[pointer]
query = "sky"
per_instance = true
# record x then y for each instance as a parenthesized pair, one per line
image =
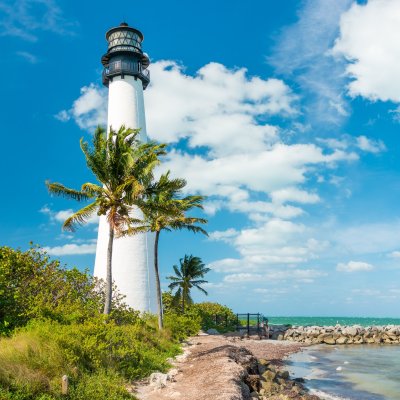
(286, 115)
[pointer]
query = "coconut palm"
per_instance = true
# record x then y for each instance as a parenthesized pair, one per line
(187, 275)
(123, 168)
(165, 209)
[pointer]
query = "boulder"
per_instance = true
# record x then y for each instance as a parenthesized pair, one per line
(351, 331)
(329, 339)
(158, 380)
(284, 374)
(269, 375)
(253, 382)
(342, 340)
(212, 331)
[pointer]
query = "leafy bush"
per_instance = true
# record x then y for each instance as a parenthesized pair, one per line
(205, 315)
(182, 326)
(215, 316)
(32, 286)
(102, 385)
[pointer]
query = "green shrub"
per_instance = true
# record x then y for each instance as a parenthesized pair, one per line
(215, 316)
(32, 286)
(182, 326)
(102, 385)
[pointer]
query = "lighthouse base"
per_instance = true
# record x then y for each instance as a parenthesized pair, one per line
(132, 267)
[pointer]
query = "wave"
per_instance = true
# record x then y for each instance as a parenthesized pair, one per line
(327, 396)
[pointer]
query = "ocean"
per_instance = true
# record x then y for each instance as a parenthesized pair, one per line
(331, 321)
(348, 372)
(351, 372)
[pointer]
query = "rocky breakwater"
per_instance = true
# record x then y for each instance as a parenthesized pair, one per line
(263, 380)
(339, 334)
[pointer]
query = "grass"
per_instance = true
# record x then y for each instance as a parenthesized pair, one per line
(99, 358)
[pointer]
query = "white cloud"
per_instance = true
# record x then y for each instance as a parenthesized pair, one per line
(223, 109)
(394, 254)
(89, 110)
(294, 194)
(354, 266)
(62, 215)
(368, 238)
(26, 18)
(299, 275)
(303, 52)
(369, 37)
(278, 169)
(31, 58)
(370, 145)
(71, 249)
(274, 242)
(63, 116)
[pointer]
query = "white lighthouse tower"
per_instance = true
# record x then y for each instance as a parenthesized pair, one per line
(126, 75)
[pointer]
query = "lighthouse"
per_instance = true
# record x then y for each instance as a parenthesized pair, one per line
(126, 76)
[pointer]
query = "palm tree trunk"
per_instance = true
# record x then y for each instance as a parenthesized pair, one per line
(107, 303)
(158, 286)
(183, 301)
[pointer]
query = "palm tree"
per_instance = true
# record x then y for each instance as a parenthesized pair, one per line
(165, 209)
(186, 277)
(123, 167)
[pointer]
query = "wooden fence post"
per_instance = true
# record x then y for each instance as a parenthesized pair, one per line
(64, 384)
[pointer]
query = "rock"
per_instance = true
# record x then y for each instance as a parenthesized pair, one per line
(269, 375)
(329, 340)
(342, 340)
(213, 331)
(351, 331)
(253, 382)
(269, 387)
(284, 374)
(158, 380)
(172, 373)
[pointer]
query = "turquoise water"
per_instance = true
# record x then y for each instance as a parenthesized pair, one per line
(328, 321)
(353, 372)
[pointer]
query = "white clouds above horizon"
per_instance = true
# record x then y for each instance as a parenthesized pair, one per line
(303, 53)
(237, 157)
(25, 19)
(61, 215)
(369, 37)
(89, 109)
(275, 242)
(71, 249)
(354, 266)
(223, 111)
(27, 56)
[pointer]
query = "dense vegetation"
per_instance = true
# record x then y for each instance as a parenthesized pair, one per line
(52, 324)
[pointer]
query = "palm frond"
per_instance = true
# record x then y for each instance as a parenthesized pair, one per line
(60, 190)
(80, 217)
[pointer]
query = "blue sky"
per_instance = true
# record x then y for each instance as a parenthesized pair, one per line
(285, 114)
